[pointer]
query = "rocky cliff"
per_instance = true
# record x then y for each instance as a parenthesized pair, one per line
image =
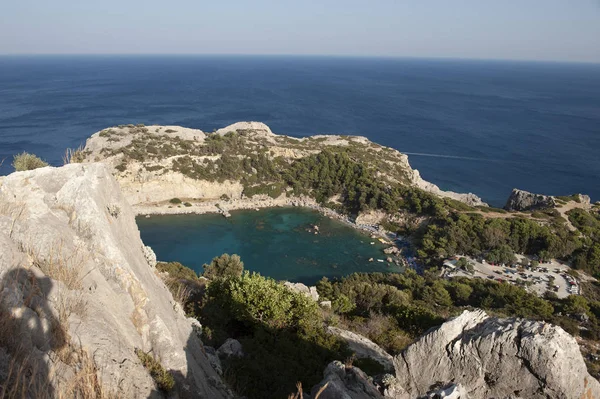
(79, 293)
(520, 200)
(477, 356)
(154, 164)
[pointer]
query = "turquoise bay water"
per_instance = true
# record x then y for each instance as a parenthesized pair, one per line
(278, 243)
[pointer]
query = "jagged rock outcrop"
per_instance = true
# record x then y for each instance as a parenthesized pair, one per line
(520, 200)
(364, 347)
(345, 383)
(310, 292)
(76, 282)
(231, 347)
(257, 127)
(499, 358)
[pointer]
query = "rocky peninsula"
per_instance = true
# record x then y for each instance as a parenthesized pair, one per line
(148, 162)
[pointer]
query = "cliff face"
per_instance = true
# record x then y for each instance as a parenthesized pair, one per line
(76, 282)
(142, 159)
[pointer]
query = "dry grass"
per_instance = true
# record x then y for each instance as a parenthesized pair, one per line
(60, 265)
(299, 393)
(181, 292)
(15, 211)
(28, 378)
(73, 155)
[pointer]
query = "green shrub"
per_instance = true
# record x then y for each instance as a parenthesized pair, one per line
(26, 161)
(224, 266)
(177, 270)
(175, 201)
(280, 330)
(163, 379)
(187, 204)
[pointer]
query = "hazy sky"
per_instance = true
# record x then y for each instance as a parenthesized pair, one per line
(510, 29)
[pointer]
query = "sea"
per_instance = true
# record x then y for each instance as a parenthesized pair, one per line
(469, 126)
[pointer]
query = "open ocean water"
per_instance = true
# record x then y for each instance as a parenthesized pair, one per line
(468, 126)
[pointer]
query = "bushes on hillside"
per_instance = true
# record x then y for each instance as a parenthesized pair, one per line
(281, 331)
(495, 239)
(224, 266)
(26, 161)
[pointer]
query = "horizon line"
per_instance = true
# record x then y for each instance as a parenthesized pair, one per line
(365, 56)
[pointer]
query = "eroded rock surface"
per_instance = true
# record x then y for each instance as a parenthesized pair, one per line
(74, 273)
(520, 200)
(309, 292)
(364, 347)
(496, 358)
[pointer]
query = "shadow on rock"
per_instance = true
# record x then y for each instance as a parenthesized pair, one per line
(30, 334)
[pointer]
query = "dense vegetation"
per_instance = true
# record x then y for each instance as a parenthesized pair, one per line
(587, 256)
(496, 239)
(283, 333)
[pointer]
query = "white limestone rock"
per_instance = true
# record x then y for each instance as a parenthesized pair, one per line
(231, 347)
(258, 127)
(345, 383)
(364, 347)
(62, 216)
(500, 358)
(310, 292)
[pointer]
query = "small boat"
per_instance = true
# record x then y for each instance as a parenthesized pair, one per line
(380, 260)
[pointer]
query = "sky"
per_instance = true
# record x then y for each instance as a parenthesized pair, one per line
(557, 30)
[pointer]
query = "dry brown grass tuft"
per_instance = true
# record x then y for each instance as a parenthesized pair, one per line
(299, 394)
(60, 265)
(27, 378)
(73, 155)
(22, 380)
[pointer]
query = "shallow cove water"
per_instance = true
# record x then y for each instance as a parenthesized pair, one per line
(278, 243)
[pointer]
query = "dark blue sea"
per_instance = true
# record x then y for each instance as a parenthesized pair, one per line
(478, 126)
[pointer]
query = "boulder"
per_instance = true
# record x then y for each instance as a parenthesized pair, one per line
(520, 200)
(256, 127)
(231, 347)
(325, 304)
(364, 347)
(494, 357)
(392, 250)
(310, 292)
(345, 383)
